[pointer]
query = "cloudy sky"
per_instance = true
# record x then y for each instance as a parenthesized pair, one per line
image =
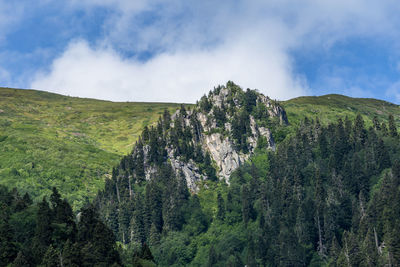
(175, 51)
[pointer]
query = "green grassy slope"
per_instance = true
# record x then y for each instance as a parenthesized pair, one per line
(53, 140)
(329, 108)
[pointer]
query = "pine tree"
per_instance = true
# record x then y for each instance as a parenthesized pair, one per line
(44, 230)
(20, 261)
(97, 241)
(320, 205)
(359, 132)
(369, 250)
(209, 169)
(71, 254)
(221, 207)
(51, 258)
(392, 126)
(146, 253)
(138, 233)
(246, 204)
(394, 242)
(212, 257)
(155, 235)
(375, 122)
(8, 250)
(166, 119)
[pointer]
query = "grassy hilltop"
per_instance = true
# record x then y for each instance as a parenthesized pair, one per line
(53, 140)
(328, 108)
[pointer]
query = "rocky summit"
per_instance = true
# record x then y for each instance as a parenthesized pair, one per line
(207, 141)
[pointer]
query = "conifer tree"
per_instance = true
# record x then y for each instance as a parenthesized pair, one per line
(221, 207)
(138, 233)
(212, 257)
(51, 258)
(392, 126)
(20, 261)
(8, 250)
(375, 122)
(43, 232)
(71, 254)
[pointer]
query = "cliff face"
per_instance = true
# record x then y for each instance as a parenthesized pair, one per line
(210, 140)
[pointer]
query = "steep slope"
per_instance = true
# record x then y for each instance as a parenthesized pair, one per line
(208, 141)
(186, 151)
(53, 140)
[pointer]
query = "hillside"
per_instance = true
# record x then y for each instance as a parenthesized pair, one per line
(237, 179)
(328, 108)
(266, 193)
(51, 140)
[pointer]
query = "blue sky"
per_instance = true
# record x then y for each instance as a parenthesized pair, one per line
(176, 51)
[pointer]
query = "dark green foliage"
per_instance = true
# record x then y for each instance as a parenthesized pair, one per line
(20, 261)
(55, 240)
(97, 241)
(392, 126)
(208, 168)
(221, 207)
(51, 258)
(8, 249)
(43, 232)
(71, 254)
(250, 100)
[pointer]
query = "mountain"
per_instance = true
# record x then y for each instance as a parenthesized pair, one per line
(238, 180)
(207, 141)
(51, 140)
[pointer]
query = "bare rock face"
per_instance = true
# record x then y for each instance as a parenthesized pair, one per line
(224, 154)
(226, 125)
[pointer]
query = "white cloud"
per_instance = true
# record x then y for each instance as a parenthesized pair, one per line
(180, 77)
(196, 45)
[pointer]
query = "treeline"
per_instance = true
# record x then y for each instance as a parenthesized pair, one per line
(49, 234)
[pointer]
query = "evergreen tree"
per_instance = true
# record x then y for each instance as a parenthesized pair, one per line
(71, 254)
(138, 233)
(51, 258)
(43, 232)
(209, 169)
(8, 250)
(155, 235)
(375, 122)
(97, 241)
(392, 126)
(20, 261)
(221, 207)
(369, 250)
(146, 253)
(212, 257)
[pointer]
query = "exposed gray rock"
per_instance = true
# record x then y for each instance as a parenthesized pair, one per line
(223, 153)
(218, 142)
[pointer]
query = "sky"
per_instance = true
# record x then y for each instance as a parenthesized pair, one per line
(176, 51)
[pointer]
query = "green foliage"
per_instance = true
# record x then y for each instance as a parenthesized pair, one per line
(49, 140)
(55, 239)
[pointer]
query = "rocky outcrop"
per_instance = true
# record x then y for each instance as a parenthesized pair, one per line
(223, 153)
(226, 125)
